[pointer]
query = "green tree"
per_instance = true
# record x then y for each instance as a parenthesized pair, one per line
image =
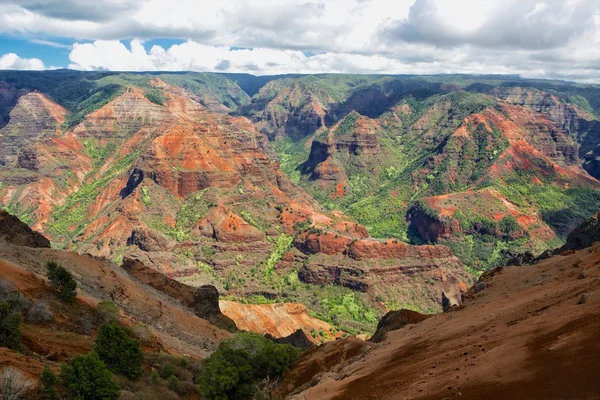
(61, 281)
(48, 383)
(240, 363)
(10, 323)
(120, 353)
(87, 378)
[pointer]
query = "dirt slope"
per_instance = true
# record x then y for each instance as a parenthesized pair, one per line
(278, 320)
(529, 333)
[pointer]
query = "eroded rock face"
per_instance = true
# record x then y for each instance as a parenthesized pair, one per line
(374, 266)
(13, 231)
(204, 301)
(279, 320)
(578, 124)
(226, 226)
(149, 240)
(395, 320)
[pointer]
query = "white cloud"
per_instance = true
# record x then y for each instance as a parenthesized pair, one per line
(536, 38)
(13, 61)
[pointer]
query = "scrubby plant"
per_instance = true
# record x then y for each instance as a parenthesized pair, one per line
(236, 369)
(40, 313)
(13, 384)
(10, 323)
(142, 333)
(87, 378)
(61, 281)
(167, 370)
(107, 310)
(48, 383)
(118, 351)
(173, 384)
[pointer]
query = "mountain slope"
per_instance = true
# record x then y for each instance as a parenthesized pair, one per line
(524, 333)
(525, 156)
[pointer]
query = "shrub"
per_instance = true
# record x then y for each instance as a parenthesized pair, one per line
(142, 333)
(107, 310)
(10, 322)
(173, 384)
(13, 384)
(61, 281)
(235, 370)
(40, 313)
(48, 383)
(167, 370)
(155, 378)
(86, 377)
(119, 352)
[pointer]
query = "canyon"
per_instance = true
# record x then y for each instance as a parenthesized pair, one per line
(314, 210)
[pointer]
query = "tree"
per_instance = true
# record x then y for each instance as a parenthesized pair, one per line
(10, 323)
(87, 378)
(48, 381)
(120, 353)
(61, 281)
(236, 369)
(13, 384)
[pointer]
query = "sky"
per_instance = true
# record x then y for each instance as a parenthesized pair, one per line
(553, 39)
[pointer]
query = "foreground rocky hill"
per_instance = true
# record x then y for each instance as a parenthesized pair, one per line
(528, 332)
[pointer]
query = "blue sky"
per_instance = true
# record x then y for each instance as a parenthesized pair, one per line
(532, 38)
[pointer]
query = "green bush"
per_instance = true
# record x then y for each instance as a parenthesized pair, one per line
(10, 323)
(118, 351)
(236, 368)
(61, 281)
(48, 383)
(173, 384)
(87, 378)
(107, 310)
(167, 370)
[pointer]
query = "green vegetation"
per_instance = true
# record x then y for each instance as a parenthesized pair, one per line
(10, 324)
(282, 244)
(146, 196)
(87, 378)
(118, 351)
(73, 213)
(237, 368)
(156, 96)
(107, 310)
(61, 281)
(48, 383)
(346, 307)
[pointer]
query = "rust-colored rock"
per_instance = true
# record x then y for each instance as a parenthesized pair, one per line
(226, 226)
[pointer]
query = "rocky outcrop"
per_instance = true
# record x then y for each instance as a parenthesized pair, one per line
(584, 235)
(395, 320)
(226, 226)
(331, 243)
(13, 231)
(149, 240)
(297, 339)
(204, 301)
(374, 266)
